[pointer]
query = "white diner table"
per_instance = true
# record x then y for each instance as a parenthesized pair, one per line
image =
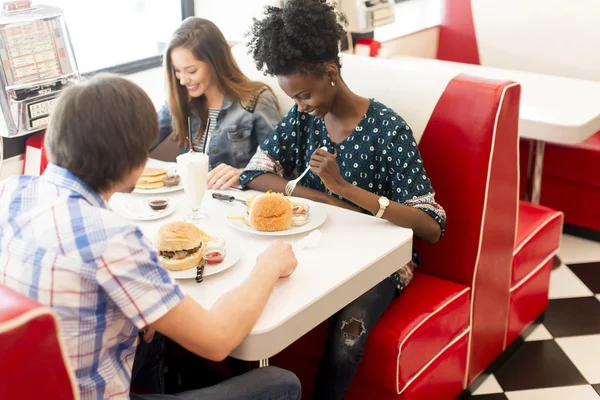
(554, 109)
(356, 251)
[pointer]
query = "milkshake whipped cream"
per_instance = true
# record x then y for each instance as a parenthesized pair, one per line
(193, 168)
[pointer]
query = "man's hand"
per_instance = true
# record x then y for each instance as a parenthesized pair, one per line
(279, 255)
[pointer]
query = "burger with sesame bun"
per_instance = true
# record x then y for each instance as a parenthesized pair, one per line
(270, 212)
(180, 245)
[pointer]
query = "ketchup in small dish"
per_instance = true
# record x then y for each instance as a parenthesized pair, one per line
(213, 257)
(158, 204)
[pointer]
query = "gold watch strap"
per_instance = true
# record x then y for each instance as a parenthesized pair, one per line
(381, 211)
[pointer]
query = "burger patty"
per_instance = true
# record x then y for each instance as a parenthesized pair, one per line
(179, 255)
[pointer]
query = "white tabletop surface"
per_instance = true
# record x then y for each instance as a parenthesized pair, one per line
(355, 252)
(554, 109)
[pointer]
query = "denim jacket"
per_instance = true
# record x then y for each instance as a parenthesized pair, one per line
(240, 128)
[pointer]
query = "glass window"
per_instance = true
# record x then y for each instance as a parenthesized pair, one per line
(106, 33)
(234, 25)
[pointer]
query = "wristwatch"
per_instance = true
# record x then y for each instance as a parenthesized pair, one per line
(383, 205)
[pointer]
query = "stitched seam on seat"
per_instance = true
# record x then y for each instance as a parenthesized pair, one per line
(416, 375)
(534, 271)
(435, 312)
(557, 214)
(483, 214)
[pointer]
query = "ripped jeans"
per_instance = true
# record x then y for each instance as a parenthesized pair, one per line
(347, 337)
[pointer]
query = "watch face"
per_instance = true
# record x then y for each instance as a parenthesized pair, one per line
(384, 202)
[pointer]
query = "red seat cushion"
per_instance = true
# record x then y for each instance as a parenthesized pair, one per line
(33, 361)
(579, 163)
(539, 230)
(418, 326)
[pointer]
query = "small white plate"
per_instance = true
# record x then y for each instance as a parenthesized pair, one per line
(137, 209)
(170, 168)
(160, 190)
(232, 256)
(316, 217)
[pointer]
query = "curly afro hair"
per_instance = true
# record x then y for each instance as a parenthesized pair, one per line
(302, 36)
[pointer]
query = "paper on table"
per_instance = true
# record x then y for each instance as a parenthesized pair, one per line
(310, 240)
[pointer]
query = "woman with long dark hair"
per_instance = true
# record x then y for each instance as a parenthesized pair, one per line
(205, 83)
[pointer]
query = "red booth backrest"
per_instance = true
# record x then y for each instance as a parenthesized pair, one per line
(33, 360)
(470, 150)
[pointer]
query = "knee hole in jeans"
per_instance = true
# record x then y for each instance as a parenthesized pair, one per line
(353, 329)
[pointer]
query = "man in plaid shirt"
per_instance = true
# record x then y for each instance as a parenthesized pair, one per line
(61, 245)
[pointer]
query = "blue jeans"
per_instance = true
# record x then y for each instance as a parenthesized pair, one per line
(269, 383)
(346, 341)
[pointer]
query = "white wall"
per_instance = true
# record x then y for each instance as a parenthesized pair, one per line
(233, 17)
(422, 44)
(559, 37)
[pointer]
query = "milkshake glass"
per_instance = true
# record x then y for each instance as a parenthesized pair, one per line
(193, 168)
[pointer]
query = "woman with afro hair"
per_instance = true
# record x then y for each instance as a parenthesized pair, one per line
(372, 163)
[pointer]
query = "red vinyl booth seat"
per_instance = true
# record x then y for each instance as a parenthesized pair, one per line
(570, 173)
(538, 240)
(33, 360)
(449, 324)
(421, 326)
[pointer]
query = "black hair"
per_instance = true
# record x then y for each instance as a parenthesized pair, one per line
(302, 36)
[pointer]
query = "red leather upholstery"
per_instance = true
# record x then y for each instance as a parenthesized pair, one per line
(528, 301)
(442, 379)
(416, 329)
(571, 173)
(477, 251)
(33, 363)
(457, 40)
(538, 240)
(450, 323)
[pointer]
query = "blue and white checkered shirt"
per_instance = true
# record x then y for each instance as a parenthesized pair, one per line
(62, 246)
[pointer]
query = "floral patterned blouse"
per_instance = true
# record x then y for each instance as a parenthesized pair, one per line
(380, 156)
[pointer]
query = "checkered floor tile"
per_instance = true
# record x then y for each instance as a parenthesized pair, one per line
(560, 358)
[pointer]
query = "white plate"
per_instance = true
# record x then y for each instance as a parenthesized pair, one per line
(232, 256)
(316, 217)
(160, 190)
(167, 166)
(137, 209)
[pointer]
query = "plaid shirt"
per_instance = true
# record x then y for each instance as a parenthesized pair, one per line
(62, 246)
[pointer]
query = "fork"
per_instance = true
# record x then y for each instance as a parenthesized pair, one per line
(291, 185)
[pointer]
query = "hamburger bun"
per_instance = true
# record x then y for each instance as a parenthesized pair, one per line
(180, 245)
(270, 213)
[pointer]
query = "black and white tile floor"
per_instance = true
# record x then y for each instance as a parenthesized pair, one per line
(560, 358)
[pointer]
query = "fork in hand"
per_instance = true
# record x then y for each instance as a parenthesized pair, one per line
(291, 185)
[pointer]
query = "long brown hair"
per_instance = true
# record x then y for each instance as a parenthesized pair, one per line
(207, 44)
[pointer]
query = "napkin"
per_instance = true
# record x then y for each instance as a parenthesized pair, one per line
(310, 240)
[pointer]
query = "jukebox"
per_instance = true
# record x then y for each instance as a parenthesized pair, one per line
(37, 63)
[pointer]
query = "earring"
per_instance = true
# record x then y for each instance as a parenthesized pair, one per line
(332, 83)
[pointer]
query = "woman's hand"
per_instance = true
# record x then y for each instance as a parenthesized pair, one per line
(223, 177)
(324, 165)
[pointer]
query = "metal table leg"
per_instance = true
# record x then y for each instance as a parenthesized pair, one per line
(535, 168)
